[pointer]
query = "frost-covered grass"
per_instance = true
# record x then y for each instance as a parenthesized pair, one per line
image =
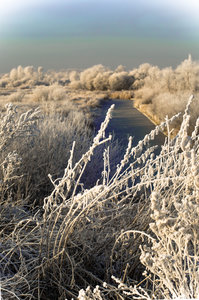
(43, 150)
(133, 234)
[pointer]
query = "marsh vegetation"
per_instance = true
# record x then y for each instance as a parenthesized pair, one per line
(77, 219)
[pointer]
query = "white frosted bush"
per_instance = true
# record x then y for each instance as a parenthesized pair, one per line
(40, 94)
(187, 74)
(56, 93)
(48, 93)
(20, 72)
(87, 76)
(100, 78)
(29, 70)
(40, 70)
(120, 81)
(120, 68)
(101, 81)
(76, 85)
(23, 76)
(74, 76)
(153, 86)
(13, 74)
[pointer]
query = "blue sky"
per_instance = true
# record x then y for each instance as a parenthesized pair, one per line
(80, 33)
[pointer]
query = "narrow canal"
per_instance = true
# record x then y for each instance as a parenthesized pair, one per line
(126, 121)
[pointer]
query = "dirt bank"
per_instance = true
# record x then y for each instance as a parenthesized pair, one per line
(146, 110)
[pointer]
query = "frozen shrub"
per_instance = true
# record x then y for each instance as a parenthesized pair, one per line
(101, 81)
(120, 81)
(22, 76)
(145, 95)
(120, 68)
(56, 93)
(139, 75)
(74, 76)
(100, 78)
(40, 73)
(187, 74)
(40, 94)
(51, 93)
(29, 70)
(40, 70)
(87, 76)
(20, 72)
(76, 85)
(153, 84)
(13, 74)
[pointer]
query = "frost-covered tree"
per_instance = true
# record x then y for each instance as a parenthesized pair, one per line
(13, 74)
(87, 77)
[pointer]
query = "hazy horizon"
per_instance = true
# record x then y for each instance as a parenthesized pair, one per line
(82, 33)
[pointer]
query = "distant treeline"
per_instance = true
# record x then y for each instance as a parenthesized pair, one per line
(162, 91)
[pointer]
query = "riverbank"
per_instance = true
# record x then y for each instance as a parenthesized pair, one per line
(146, 110)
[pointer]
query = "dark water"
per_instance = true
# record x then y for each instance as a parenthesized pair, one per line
(126, 121)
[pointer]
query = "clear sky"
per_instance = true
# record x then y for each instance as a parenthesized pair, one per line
(61, 34)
